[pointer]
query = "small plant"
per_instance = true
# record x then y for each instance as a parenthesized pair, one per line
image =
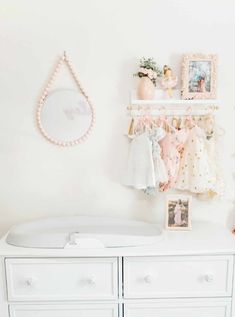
(148, 68)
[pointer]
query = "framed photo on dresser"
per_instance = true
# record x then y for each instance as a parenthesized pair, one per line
(178, 212)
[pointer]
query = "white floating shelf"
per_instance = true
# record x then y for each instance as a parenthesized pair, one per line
(165, 102)
(161, 101)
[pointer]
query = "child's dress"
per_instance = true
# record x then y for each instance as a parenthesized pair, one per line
(172, 146)
(196, 173)
(160, 171)
(211, 145)
(145, 168)
(140, 165)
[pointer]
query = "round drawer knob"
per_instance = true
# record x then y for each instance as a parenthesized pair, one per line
(90, 280)
(30, 281)
(209, 278)
(148, 279)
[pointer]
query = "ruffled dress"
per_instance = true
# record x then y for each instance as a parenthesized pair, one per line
(145, 168)
(160, 170)
(197, 172)
(140, 166)
(172, 146)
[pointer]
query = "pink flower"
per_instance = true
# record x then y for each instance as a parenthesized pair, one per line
(145, 71)
(150, 73)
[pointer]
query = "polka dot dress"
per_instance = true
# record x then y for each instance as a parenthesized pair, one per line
(196, 172)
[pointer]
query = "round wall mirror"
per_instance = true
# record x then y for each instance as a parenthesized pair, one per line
(65, 117)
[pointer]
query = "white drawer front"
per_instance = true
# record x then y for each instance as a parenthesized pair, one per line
(61, 279)
(92, 310)
(185, 308)
(184, 276)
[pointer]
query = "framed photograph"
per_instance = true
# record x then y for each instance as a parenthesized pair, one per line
(199, 76)
(178, 212)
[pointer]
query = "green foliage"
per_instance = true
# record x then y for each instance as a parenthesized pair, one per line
(148, 68)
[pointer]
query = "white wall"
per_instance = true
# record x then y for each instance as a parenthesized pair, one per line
(104, 40)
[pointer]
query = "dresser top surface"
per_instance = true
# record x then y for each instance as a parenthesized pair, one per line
(204, 238)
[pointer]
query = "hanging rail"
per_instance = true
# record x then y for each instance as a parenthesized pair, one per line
(171, 110)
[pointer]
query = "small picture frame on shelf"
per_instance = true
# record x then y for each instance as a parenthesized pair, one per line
(199, 76)
(178, 212)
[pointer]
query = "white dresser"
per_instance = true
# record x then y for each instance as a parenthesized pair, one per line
(185, 274)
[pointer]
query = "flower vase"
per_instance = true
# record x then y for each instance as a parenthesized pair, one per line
(146, 89)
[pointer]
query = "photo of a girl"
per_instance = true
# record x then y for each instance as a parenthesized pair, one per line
(178, 212)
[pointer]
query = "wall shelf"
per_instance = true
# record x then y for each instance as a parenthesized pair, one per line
(176, 100)
(165, 102)
(174, 106)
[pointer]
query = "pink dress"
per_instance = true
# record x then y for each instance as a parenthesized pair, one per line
(172, 146)
(168, 83)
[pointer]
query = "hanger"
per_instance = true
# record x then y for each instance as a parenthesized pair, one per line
(131, 127)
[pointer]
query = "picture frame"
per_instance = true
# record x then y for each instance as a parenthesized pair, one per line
(199, 76)
(178, 212)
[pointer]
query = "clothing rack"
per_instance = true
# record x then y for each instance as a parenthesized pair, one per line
(171, 110)
(171, 106)
(172, 151)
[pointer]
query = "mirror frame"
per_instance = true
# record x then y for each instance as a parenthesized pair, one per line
(41, 104)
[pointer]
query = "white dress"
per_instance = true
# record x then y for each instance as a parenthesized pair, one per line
(140, 166)
(196, 173)
(160, 170)
(214, 157)
(177, 213)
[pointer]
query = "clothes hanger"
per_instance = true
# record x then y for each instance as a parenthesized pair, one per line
(131, 127)
(188, 120)
(167, 125)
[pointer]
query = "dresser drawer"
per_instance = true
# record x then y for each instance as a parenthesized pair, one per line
(183, 276)
(61, 279)
(180, 308)
(84, 310)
